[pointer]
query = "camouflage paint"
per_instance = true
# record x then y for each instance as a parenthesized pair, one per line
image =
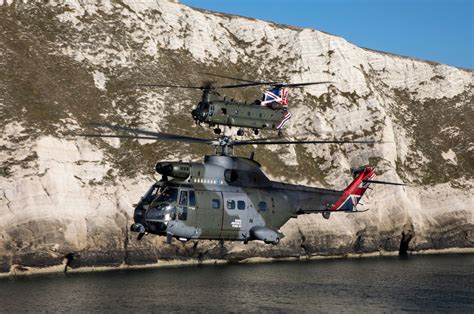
(233, 196)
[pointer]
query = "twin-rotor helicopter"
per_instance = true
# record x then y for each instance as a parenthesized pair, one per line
(271, 112)
(226, 197)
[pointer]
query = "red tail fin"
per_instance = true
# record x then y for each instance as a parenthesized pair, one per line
(353, 193)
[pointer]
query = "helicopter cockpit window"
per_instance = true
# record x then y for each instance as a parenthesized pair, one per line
(241, 205)
(192, 199)
(230, 204)
(183, 198)
(262, 206)
(151, 193)
(183, 209)
(168, 195)
(216, 204)
(203, 106)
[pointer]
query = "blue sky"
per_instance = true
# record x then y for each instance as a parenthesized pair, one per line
(436, 30)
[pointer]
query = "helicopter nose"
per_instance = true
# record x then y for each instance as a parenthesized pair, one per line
(198, 115)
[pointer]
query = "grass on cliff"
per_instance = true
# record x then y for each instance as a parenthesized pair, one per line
(44, 87)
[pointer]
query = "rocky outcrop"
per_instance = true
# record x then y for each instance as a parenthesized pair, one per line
(65, 64)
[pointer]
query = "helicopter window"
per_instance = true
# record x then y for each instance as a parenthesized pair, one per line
(151, 193)
(248, 113)
(168, 195)
(230, 204)
(204, 106)
(183, 213)
(183, 198)
(224, 110)
(241, 205)
(262, 206)
(216, 204)
(260, 114)
(192, 199)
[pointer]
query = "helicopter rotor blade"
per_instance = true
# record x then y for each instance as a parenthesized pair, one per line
(255, 83)
(274, 84)
(282, 142)
(205, 86)
(208, 85)
(229, 77)
(154, 135)
(383, 182)
(115, 136)
(174, 86)
(135, 133)
(247, 85)
(301, 84)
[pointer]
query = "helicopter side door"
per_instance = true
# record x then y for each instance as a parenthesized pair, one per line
(235, 214)
(209, 213)
(186, 207)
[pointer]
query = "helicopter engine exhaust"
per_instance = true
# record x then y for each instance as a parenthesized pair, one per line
(173, 169)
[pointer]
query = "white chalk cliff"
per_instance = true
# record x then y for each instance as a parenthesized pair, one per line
(64, 64)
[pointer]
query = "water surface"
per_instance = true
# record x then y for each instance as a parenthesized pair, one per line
(417, 283)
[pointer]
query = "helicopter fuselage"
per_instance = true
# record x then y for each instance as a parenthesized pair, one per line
(219, 111)
(228, 197)
(225, 198)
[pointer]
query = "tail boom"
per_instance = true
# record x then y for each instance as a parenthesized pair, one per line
(353, 193)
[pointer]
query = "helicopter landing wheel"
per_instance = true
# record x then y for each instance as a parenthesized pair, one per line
(277, 240)
(240, 132)
(217, 131)
(256, 131)
(280, 133)
(326, 215)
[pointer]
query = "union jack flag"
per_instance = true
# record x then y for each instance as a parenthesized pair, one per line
(286, 118)
(277, 94)
(353, 193)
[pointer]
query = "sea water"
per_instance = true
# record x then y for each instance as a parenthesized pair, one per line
(377, 284)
